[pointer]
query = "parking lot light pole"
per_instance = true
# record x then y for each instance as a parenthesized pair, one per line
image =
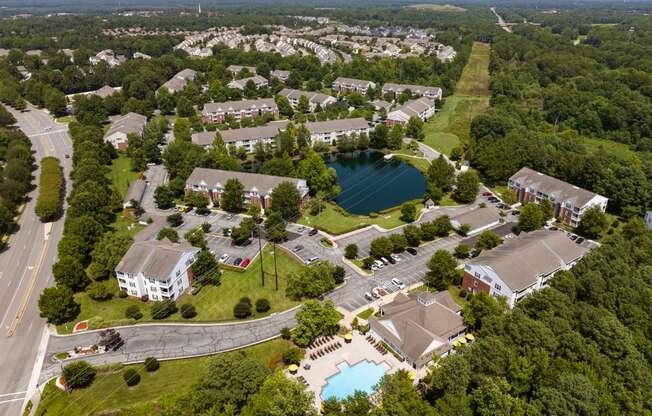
(275, 271)
(262, 263)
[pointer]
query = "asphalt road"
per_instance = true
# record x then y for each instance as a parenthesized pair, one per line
(25, 269)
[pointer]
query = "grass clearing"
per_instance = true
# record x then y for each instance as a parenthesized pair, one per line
(450, 126)
(121, 174)
(109, 393)
(366, 313)
(334, 220)
(213, 303)
(437, 7)
(620, 150)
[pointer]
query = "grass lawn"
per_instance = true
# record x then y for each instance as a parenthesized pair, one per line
(213, 304)
(121, 174)
(450, 126)
(109, 393)
(335, 221)
(124, 223)
(421, 164)
(366, 313)
(65, 119)
(612, 148)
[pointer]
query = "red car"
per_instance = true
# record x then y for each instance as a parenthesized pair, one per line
(245, 262)
(487, 194)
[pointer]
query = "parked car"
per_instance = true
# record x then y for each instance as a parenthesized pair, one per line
(379, 264)
(573, 237)
(224, 257)
(374, 294)
(237, 261)
(396, 257)
(245, 262)
(487, 194)
(297, 248)
(375, 267)
(384, 260)
(311, 260)
(369, 296)
(493, 199)
(411, 250)
(67, 156)
(399, 284)
(313, 232)
(580, 240)
(229, 217)
(378, 291)
(516, 212)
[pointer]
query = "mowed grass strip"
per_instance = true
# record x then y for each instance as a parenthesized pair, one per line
(122, 174)
(212, 303)
(450, 126)
(49, 204)
(109, 393)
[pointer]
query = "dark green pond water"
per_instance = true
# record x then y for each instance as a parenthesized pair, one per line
(371, 184)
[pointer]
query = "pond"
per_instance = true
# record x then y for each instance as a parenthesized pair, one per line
(370, 183)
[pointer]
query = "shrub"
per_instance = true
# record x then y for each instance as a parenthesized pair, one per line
(98, 291)
(131, 377)
(175, 219)
(78, 374)
(49, 204)
(151, 364)
(367, 262)
(163, 309)
(373, 215)
(338, 274)
(262, 305)
(286, 333)
(463, 293)
(351, 251)
(206, 227)
(133, 312)
(242, 309)
(292, 356)
(123, 294)
(188, 311)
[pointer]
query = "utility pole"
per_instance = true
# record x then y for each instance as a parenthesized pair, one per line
(275, 271)
(262, 263)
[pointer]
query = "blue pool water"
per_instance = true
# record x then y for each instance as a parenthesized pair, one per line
(362, 376)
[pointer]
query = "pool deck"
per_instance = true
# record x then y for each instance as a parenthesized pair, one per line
(326, 366)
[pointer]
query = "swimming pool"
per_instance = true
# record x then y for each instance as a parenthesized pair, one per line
(362, 376)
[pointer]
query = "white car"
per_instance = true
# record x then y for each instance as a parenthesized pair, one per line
(396, 257)
(379, 264)
(374, 267)
(311, 260)
(224, 257)
(398, 283)
(384, 260)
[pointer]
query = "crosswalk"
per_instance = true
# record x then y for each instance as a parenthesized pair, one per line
(12, 397)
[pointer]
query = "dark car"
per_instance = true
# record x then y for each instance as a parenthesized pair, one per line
(297, 248)
(573, 237)
(516, 212)
(580, 240)
(390, 259)
(411, 250)
(313, 231)
(237, 261)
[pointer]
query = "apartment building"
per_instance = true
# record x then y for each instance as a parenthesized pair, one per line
(245, 137)
(314, 98)
(179, 81)
(280, 74)
(240, 84)
(521, 265)
(434, 93)
(332, 130)
(160, 270)
(236, 69)
(257, 188)
(361, 86)
(216, 112)
(423, 108)
(569, 201)
(121, 127)
(108, 56)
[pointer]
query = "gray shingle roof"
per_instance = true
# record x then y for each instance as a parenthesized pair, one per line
(155, 259)
(247, 133)
(415, 89)
(413, 108)
(316, 127)
(313, 97)
(563, 191)
(263, 184)
(127, 124)
(477, 218)
(239, 105)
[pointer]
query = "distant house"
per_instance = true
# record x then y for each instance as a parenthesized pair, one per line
(429, 204)
(236, 69)
(381, 105)
(434, 93)
(108, 56)
(361, 86)
(280, 74)
(179, 81)
(140, 55)
(521, 265)
(160, 270)
(314, 98)
(217, 112)
(423, 108)
(240, 84)
(478, 220)
(419, 325)
(106, 91)
(257, 188)
(121, 127)
(569, 202)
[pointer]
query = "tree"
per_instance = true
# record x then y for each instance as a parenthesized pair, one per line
(164, 101)
(68, 271)
(442, 266)
(378, 136)
(593, 222)
(163, 309)
(408, 212)
(133, 312)
(131, 377)
(399, 243)
(351, 251)
(381, 247)
(196, 237)
(275, 227)
(441, 174)
(205, 270)
(98, 291)
(487, 240)
(184, 107)
(395, 137)
(311, 281)
(412, 234)
(398, 397)
(229, 381)
(468, 184)
(530, 218)
(58, 305)
(320, 178)
(414, 128)
(232, 199)
(244, 231)
(304, 105)
(242, 309)
(175, 219)
(188, 311)
(281, 396)
(462, 251)
(284, 107)
(78, 374)
(262, 305)
(286, 200)
(315, 320)
(181, 130)
(169, 233)
(545, 206)
(106, 255)
(151, 364)
(482, 307)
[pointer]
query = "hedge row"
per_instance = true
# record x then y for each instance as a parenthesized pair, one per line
(49, 205)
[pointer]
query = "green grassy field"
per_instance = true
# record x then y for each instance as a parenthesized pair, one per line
(334, 221)
(450, 126)
(121, 174)
(213, 304)
(109, 393)
(621, 150)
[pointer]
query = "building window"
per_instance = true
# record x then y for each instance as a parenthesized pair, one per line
(497, 286)
(122, 281)
(132, 284)
(132, 292)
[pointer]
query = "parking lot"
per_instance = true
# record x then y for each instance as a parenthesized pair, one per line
(220, 245)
